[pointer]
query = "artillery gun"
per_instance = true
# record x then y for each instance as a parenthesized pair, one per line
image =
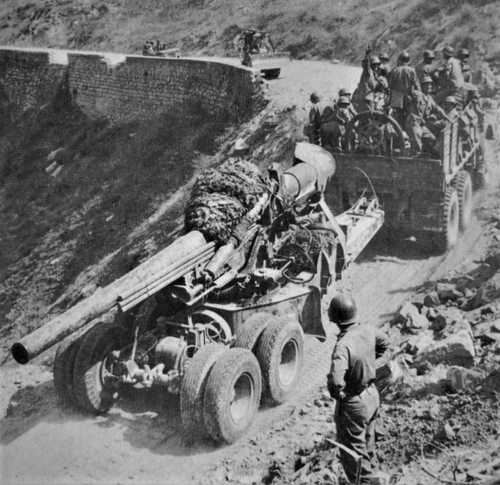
(221, 323)
(427, 194)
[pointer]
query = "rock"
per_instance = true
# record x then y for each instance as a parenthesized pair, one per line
(478, 300)
(447, 292)
(432, 299)
(445, 432)
(391, 371)
(460, 378)
(495, 326)
(413, 321)
(492, 382)
(487, 333)
(456, 349)
(449, 318)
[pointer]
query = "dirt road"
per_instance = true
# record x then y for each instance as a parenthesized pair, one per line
(139, 441)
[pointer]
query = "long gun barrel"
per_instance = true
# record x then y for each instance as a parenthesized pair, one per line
(162, 269)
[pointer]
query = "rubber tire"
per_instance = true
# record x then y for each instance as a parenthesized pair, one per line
(98, 342)
(64, 362)
(448, 236)
(229, 368)
(277, 334)
(248, 334)
(193, 387)
(464, 193)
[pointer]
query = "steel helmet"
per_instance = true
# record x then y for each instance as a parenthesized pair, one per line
(342, 310)
(344, 92)
(404, 56)
(426, 80)
(343, 100)
(384, 56)
(448, 51)
(450, 100)
(314, 98)
(428, 54)
(374, 60)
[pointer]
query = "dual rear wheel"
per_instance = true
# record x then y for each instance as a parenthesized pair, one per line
(222, 388)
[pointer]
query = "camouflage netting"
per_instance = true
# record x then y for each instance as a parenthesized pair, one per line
(221, 196)
(304, 246)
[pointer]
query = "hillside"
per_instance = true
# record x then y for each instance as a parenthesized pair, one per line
(321, 29)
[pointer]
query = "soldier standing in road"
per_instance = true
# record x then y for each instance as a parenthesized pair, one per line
(351, 382)
(426, 67)
(402, 82)
(463, 56)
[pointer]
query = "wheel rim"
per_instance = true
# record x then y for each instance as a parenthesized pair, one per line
(218, 330)
(453, 224)
(243, 398)
(288, 366)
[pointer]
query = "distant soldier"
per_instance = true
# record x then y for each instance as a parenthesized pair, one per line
(451, 80)
(426, 66)
(351, 382)
(463, 57)
(148, 48)
(402, 82)
(314, 120)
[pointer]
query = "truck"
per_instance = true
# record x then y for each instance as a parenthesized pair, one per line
(426, 194)
(218, 321)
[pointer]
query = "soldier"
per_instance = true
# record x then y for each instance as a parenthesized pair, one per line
(368, 81)
(402, 82)
(451, 80)
(425, 118)
(334, 122)
(351, 382)
(148, 48)
(314, 120)
(347, 93)
(426, 67)
(463, 56)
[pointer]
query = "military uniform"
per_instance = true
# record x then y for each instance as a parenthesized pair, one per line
(352, 382)
(424, 69)
(451, 81)
(424, 120)
(403, 81)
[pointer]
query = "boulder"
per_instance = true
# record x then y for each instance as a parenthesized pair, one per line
(448, 292)
(432, 299)
(460, 378)
(456, 349)
(487, 333)
(449, 318)
(391, 371)
(413, 321)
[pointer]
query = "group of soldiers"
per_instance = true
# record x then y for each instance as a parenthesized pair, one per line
(421, 99)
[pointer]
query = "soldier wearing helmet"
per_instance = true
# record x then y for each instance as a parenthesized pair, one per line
(463, 56)
(314, 119)
(403, 81)
(426, 67)
(425, 118)
(368, 82)
(351, 382)
(451, 79)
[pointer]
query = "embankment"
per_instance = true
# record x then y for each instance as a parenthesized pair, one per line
(125, 88)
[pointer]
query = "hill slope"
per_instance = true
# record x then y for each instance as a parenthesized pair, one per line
(320, 28)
